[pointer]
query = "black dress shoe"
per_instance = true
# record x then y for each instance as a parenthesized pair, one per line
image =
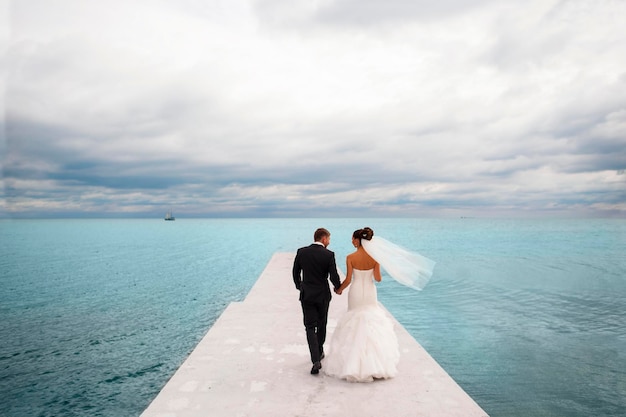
(316, 368)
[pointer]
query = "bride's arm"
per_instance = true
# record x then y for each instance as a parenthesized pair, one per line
(377, 275)
(346, 282)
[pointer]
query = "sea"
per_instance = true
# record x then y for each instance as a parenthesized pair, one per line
(527, 315)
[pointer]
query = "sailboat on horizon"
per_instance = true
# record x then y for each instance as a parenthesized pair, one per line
(169, 216)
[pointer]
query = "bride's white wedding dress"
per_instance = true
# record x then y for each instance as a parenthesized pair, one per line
(364, 345)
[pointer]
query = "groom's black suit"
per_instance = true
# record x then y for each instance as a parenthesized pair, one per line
(312, 267)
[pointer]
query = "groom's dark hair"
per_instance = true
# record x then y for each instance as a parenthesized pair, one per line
(320, 233)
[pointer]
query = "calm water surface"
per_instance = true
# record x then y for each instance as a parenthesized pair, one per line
(96, 315)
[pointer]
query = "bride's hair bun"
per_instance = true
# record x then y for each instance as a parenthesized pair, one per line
(367, 233)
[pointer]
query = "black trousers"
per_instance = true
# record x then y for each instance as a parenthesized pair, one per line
(315, 318)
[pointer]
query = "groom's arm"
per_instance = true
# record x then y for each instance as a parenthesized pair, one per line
(334, 275)
(296, 271)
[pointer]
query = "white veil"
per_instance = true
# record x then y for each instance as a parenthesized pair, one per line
(408, 268)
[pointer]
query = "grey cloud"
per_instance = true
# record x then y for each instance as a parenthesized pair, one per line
(43, 151)
(117, 177)
(369, 12)
(600, 145)
(365, 13)
(593, 163)
(515, 112)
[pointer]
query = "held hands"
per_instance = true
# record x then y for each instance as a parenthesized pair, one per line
(338, 291)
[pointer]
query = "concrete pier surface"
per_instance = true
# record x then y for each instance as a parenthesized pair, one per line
(254, 361)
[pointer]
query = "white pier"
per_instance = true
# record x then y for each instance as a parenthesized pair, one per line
(254, 362)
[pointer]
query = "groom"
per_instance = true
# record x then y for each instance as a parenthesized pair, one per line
(312, 267)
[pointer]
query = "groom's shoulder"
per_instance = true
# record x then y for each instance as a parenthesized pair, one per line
(305, 248)
(315, 248)
(322, 248)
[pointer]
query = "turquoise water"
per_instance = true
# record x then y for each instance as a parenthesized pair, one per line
(96, 315)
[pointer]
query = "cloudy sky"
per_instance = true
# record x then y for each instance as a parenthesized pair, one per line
(314, 108)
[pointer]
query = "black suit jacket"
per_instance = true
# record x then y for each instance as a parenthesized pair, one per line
(312, 267)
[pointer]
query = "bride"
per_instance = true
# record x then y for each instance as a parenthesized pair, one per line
(364, 345)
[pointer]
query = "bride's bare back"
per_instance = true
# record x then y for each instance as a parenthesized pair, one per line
(361, 260)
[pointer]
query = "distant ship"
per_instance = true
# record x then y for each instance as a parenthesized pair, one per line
(168, 216)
